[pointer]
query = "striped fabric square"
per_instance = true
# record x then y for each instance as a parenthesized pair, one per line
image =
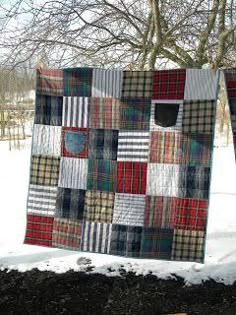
(107, 83)
(73, 173)
(48, 110)
(137, 84)
(42, 200)
(163, 180)
(188, 246)
(135, 113)
(201, 84)
(39, 230)
(230, 79)
(77, 81)
(160, 212)
(76, 111)
(199, 116)
(129, 209)
(103, 144)
(177, 126)
(66, 233)
(102, 175)
(105, 113)
(169, 84)
(99, 206)
(75, 142)
(70, 203)
(191, 214)
(166, 147)
(44, 170)
(118, 241)
(50, 82)
(131, 177)
(156, 243)
(46, 140)
(96, 237)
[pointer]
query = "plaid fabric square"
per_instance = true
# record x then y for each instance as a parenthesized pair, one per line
(137, 84)
(191, 214)
(75, 142)
(163, 180)
(44, 170)
(131, 177)
(160, 212)
(48, 110)
(230, 78)
(107, 83)
(77, 81)
(129, 209)
(76, 111)
(46, 140)
(42, 200)
(105, 113)
(199, 116)
(70, 203)
(166, 147)
(135, 114)
(201, 84)
(188, 246)
(169, 84)
(50, 82)
(39, 230)
(103, 144)
(133, 146)
(102, 175)
(73, 173)
(134, 236)
(156, 243)
(178, 124)
(118, 242)
(66, 233)
(195, 181)
(96, 237)
(99, 206)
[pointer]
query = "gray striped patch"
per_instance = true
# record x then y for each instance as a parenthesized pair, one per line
(75, 111)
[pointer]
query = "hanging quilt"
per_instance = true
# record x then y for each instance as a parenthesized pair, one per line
(121, 161)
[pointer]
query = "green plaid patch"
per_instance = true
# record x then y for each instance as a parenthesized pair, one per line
(44, 171)
(77, 81)
(137, 84)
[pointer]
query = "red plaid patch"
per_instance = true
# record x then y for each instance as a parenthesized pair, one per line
(131, 177)
(231, 83)
(191, 214)
(50, 82)
(169, 84)
(39, 230)
(75, 142)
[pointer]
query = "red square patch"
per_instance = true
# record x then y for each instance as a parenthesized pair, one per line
(39, 230)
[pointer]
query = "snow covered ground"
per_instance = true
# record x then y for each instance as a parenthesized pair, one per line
(220, 261)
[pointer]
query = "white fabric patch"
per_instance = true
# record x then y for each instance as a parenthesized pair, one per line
(75, 111)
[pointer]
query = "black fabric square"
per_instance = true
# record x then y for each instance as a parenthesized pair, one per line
(48, 110)
(134, 236)
(118, 240)
(166, 114)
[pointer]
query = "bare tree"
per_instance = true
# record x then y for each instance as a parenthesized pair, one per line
(109, 33)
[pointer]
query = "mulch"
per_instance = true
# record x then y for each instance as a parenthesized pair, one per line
(45, 292)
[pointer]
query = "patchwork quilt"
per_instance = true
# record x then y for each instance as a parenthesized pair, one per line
(121, 161)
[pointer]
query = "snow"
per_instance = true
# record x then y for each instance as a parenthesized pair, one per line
(220, 263)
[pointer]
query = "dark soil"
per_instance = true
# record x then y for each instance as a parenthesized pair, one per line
(36, 292)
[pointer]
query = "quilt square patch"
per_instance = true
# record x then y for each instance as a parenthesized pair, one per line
(118, 243)
(96, 237)
(75, 142)
(107, 83)
(131, 177)
(77, 81)
(102, 175)
(70, 203)
(169, 84)
(66, 233)
(156, 243)
(160, 212)
(99, 206)
(199, 117)
(50, 82)
(230, 78)
(137, 84)
(129, 209)
(48, 110)
(135, 113)
(76, 111)
(191, 214)
(188, 246)
(134, 236)
(103, 144)
(39, 230)
(133, 146)
(105, 113)
(44, 170)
